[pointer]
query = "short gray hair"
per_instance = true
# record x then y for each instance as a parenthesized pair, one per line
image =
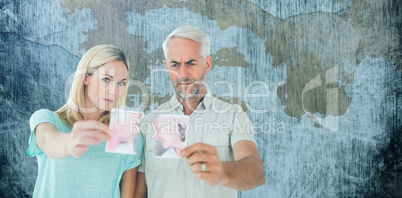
(191, 33)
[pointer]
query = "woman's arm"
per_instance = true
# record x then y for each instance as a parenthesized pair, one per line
(51, 141)
(59, 145)
(141, 186)
(127, 183)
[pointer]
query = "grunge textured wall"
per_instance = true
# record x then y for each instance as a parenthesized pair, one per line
(320, 80)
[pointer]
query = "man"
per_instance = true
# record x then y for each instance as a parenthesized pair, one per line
(221, 156)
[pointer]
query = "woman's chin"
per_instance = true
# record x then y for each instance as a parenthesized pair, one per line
(106, 107)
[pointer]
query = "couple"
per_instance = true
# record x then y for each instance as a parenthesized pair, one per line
(69, 143)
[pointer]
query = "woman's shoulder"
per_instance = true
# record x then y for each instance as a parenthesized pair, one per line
(45, 115)
(44, 111)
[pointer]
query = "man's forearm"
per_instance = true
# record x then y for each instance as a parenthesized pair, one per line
(244, 174)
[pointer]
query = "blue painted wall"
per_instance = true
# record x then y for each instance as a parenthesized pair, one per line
(328, 123)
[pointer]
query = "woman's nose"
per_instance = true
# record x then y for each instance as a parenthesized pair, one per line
(112, 89)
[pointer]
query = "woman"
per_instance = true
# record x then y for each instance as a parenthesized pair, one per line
(70, 143)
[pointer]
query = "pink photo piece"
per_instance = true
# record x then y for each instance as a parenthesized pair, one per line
(125, 126)
(120, 134)
(170, 136)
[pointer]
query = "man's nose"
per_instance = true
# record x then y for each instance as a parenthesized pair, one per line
(183, 70)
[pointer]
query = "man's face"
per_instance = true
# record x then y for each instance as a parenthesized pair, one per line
(186, 67)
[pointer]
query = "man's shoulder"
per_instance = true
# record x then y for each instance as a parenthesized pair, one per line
(164, 108)
(220, 104)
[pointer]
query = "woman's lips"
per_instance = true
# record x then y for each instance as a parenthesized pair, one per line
(109, 101)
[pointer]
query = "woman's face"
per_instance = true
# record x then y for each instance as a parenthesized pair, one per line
(106, 85)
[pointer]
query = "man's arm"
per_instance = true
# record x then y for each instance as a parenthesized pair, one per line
(127, 183)
(141, 186)
(245, 173)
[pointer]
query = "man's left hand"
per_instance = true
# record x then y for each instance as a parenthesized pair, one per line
(198, 154)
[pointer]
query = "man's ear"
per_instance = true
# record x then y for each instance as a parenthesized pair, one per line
(86, 79)
(166, 65)
(208, 64)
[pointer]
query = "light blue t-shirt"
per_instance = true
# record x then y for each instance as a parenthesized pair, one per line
(95, 174)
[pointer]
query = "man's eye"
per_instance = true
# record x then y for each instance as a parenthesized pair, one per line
(122, 84)
(174, 65)
(106, 80)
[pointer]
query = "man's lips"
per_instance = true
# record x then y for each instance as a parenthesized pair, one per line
(184, 83)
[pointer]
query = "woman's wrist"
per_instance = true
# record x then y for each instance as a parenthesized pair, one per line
(65, 139)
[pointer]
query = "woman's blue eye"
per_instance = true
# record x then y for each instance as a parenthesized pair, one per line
(122, 84)
(106, 80)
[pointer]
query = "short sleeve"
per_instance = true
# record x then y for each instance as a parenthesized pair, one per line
(40, 116)
(242, 127)
(139, 147)
(141, 168)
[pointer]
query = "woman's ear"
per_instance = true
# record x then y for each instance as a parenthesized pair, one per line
(86, 79)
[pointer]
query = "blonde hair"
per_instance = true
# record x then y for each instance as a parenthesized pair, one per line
(93, 59)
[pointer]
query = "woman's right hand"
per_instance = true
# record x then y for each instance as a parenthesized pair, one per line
(84, 134)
